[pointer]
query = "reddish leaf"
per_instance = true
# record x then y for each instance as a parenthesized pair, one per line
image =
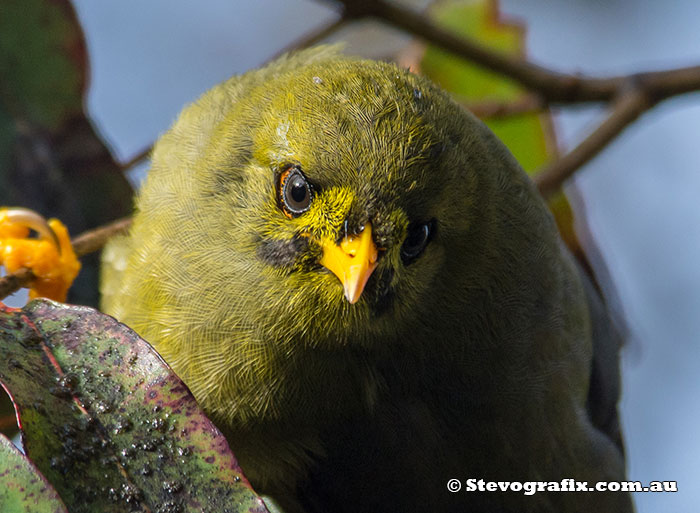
(106, 420)
(22, 487)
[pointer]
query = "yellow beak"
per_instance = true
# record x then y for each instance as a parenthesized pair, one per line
(352, 261)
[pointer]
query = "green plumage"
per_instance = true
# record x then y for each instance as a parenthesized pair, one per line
(473, 361)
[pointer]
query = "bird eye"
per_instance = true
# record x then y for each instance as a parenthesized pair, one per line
(419, 234)
(295, 192)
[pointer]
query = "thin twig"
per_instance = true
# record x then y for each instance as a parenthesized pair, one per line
(136, 159)
(547, 86)
(11, 283)
(529, 104)
(628, 108)
(86, 242)
(93, 240)
(664, 84)
(313, 37)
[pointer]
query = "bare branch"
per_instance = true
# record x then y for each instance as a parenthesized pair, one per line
(313, 37)
(529, 104)
(553, 86)
(548, 86)
(136, 159)
(628, 108)
(660, 85)
(93, 240)
(86, 242)
(13, 282)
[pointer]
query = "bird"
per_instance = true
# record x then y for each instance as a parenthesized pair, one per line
(369, 297)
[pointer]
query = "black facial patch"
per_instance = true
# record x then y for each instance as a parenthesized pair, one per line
(281, 253)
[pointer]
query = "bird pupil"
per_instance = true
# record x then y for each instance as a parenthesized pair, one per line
(298, 191)
(417, 236)
(417, 239)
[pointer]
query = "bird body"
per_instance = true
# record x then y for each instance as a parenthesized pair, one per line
(466, 345)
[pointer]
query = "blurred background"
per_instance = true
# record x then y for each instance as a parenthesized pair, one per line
(640, 197)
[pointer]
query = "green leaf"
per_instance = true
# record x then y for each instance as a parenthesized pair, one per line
(51, 158)
(106, 420)
(42, 61)
(22, 487)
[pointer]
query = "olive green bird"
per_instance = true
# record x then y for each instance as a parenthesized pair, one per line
(368, 296)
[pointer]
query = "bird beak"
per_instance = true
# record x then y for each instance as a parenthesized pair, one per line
(352, 261)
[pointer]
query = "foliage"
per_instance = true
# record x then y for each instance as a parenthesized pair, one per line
(106, 421)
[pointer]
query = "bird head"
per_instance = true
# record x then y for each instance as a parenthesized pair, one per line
(331, 200)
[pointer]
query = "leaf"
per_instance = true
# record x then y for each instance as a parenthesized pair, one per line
(22, 487)
(51, 158)
(106, 420)
(529, 135)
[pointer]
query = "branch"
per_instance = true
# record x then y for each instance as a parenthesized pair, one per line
(313, 37)
(13, 282)
(93, 240)
(86, 242)
(554, 87)
(628, 108)
(529, 104)
(136, 159)
(547, 86)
